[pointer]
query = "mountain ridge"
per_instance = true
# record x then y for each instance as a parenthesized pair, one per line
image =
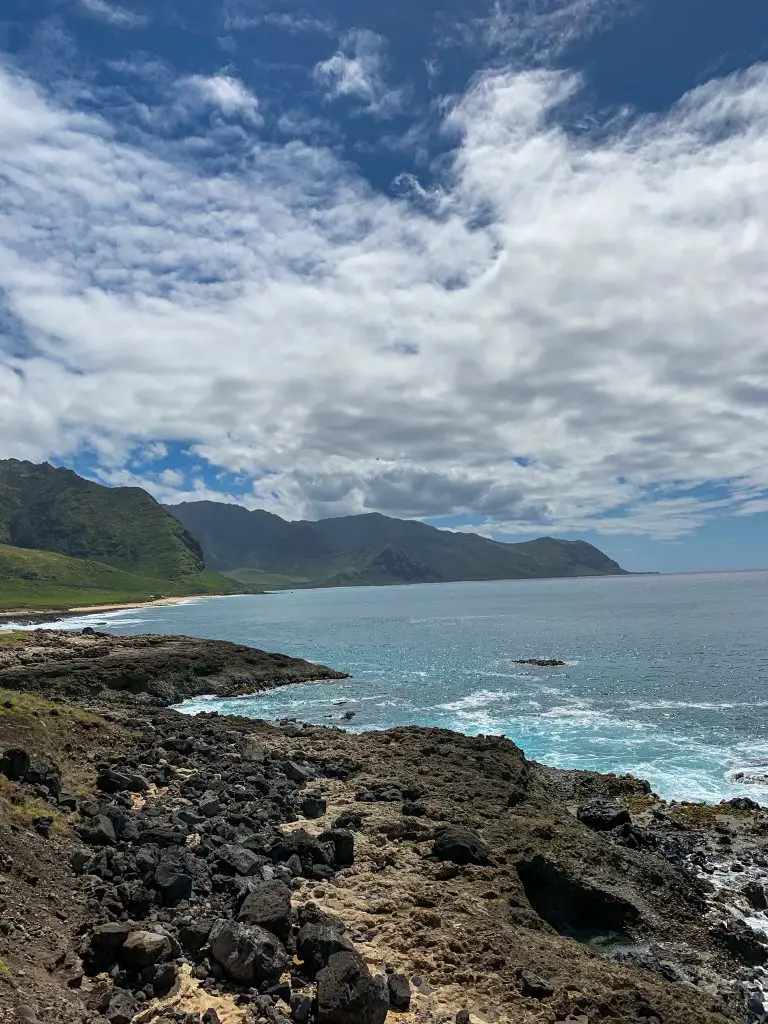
(258, 547)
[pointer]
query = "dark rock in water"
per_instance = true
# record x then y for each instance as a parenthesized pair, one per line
(742, 803)
(347, 992)
(268, 906)
(349, 715)
(142, 949)
(317, 942)
(737, 937)
(461, 845)
(534, 987)
(14, 763)
(602, 815)
(399, 991)
(248, 954)
(541, 662)
(757, 894)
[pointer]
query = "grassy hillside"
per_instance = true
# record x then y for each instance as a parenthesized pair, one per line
(263, 550)
(68, 541)
(46, 580)
(56, 510)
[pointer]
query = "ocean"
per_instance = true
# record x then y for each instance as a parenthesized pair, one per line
(666, 676)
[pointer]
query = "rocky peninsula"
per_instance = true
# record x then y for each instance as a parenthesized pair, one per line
(156, 867)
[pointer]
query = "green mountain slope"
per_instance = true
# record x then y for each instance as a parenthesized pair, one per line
(56, 510)
(261, 549)
(42, 579)
(99, 544)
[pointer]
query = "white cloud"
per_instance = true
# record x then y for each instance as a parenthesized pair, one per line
(113, 14)
(224, 92)
(358, 71)
(576, 340)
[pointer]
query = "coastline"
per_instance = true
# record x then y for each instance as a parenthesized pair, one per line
(32, 616)
(492, 887)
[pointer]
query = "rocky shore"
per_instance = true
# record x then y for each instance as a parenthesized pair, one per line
(156, 867)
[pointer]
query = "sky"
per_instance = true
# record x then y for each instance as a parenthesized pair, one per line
(500, 265)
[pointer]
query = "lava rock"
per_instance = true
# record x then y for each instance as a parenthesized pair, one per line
(99, 832)
(236, 860)
(112, 781)
(142, 949)
(248, 954)
(171, 881)
(269, 907)
(301, 1008)
(602, 815)
(399, 991)
(313, 806)
(194, 935)
(317, 942)
(534, 987)
(209, 805)
(347, 992)
(14, 763)
(343, 841)
(122, 1007)
(461, 845)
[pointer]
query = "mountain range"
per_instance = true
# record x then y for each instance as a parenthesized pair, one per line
(67, 541)
(258, 548)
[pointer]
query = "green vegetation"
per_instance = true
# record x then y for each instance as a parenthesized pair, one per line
(5, 971)
(260, 549)
(22, 808)
(65, 541)
(45, 580)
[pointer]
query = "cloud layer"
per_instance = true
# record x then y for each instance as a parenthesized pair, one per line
(568, 333)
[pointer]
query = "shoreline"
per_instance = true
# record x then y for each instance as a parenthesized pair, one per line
(495, 878)
(31, 616)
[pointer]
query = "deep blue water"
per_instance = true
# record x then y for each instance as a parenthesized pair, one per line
(667, 676)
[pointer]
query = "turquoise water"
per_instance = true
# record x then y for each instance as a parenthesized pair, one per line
(667, 676)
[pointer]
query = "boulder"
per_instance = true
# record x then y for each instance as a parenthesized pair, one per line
(347, 992)
(122, 1007)
(99, 832)
(343, 845)
(268, 906)
(44, 773)
(194, 935)
(14, 763)
(142, 949)
(399, 991)
(313, 806)
(171, 880)
(534, 987)
(236, 860)
(601, 815)
(112, 781)
(209, 805)
(248, 954)
(295, 772)
(461, 845)
(317, 942)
